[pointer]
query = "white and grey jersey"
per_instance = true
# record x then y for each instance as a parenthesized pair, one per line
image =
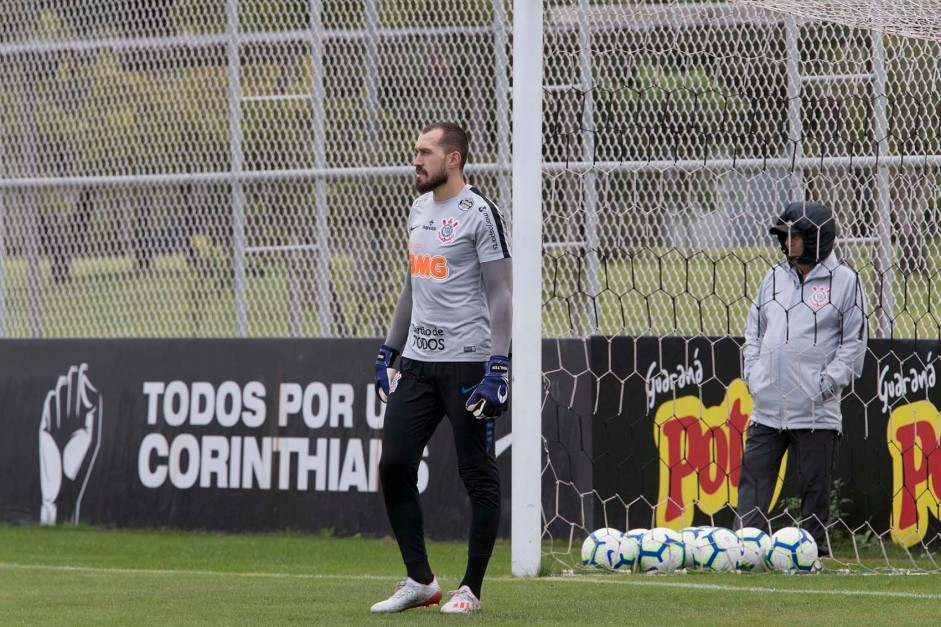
(447, 242)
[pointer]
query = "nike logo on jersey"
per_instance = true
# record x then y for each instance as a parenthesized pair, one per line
(412, 228)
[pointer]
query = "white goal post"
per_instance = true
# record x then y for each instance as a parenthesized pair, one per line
(526, 499)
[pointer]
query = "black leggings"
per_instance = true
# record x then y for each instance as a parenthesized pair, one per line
(426, 393)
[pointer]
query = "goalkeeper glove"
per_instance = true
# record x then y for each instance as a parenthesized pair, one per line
(488, 400)
(385, 372)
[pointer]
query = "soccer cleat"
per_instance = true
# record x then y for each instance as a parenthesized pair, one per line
(462, 601)
(410, 594)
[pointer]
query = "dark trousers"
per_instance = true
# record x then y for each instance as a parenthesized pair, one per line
(426, 393)
(814, 451)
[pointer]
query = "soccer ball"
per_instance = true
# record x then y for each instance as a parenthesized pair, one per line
(755, 546)
(689, 535)
(792, 549)
(718, 549)
(637, 534)
(627, 555)
(661, 550)
(602, 548)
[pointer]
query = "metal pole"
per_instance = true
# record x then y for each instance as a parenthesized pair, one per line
(360, 173)
(590, 180)
(321, 206)
(371, 266)
(526, 528)
(235, 156)
(30, 197)
(502, 99)
(3, 250)
(371, 20)
(295, 257)
(795, 127)
(884, 254)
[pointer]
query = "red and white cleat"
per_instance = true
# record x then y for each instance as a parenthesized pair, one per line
(462, 601)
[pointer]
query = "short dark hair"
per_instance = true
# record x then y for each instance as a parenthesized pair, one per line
(453, 138)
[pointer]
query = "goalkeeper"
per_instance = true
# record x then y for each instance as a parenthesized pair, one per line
(805, 341)
(452, 326)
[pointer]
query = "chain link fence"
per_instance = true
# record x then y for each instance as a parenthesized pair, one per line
(240, 167)
(677, 132)
(228, 168)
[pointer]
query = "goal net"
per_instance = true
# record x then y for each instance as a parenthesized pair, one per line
(674, 135)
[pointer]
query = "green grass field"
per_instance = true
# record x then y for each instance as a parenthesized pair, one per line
(89, 576)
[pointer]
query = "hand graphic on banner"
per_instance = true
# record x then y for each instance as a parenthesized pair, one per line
(69, 436)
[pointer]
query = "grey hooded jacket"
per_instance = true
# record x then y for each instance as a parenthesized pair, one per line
(804, 342)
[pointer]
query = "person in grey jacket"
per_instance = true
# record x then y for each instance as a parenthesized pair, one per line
(805, 341)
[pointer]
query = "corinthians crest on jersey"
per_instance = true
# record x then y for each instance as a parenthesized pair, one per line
(448, 230)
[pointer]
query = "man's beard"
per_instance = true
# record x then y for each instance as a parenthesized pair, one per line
(432, 181)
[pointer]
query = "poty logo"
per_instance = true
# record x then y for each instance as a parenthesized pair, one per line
(819, 296)
(428, 266)
(69, 439)
(701, 448)
(914, 446)
(448, 230)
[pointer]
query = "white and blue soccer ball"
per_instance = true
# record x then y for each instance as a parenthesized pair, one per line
(718, 549)
(792, 550)
(689, 535)
(661, 550)
(627, 555)
(755, 547)
(637, 534)
(602, 548)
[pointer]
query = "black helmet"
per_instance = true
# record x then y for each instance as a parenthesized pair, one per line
(814, 222)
